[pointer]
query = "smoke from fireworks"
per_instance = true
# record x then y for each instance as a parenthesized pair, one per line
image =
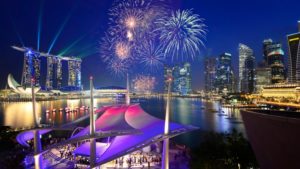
(181, 34)
(144, 84)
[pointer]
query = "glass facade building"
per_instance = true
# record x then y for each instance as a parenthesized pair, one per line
(263, 77)
(275, 57)
(182, 79)
(74, 68)
(210, 65)
(31, 69)
(294, 57)
(54, 72)
(246, 82)
(224, 81)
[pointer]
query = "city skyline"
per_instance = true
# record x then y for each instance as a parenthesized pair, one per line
(218, 40)
(159, 84)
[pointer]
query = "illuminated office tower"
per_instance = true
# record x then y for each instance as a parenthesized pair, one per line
(74, 67)
(210, 73)
(31, 68)
(182, 80)
(224, 75)
(266, 43)
(275, 56)
(244, 53)
(263, 76)
(294, 56)
(249, 75)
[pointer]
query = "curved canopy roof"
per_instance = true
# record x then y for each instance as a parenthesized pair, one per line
(125, 118)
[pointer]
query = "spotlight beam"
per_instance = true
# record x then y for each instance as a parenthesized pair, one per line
(39, 28)
(62, 27)
(72, 45)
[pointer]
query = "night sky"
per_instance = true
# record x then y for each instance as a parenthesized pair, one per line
(229, 23)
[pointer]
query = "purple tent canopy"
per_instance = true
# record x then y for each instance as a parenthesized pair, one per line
(27, 135)
(121, 118)
(127, 117)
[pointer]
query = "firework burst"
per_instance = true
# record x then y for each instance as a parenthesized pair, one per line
(118, 67)
(181, 34)
(122, 50)
(144, 84)
(131, 27)
(151, 55)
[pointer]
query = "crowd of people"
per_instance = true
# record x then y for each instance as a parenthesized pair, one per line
(139, 159)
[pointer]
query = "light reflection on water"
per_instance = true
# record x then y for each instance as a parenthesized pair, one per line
(20, 114)
(208, 116)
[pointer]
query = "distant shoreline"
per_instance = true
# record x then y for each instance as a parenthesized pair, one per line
(133, 96)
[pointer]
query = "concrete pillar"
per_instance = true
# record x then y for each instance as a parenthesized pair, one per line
(128, 90)
(165, 159)
(37, 149)
(37, 145)
(33, 103)
(92, 116)
(92, 153)
(92, 127)
(38, 161)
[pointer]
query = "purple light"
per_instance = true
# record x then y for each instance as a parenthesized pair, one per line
(120, 118)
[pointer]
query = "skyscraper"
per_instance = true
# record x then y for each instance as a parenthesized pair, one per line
(31, 68)
(245, 53)
(54, 73)
(266, 43)
(210, 65)
(275, 56)
(263, 76)
(49, 78)
(182, 80)
(294, 56)
(74, 67)
(224, 75)
(58, 73)
(249, 75)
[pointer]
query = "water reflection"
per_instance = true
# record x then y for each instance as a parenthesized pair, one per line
(206, 115)
(20, 115)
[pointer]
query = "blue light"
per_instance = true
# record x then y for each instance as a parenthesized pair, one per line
(40, 25)
(62, 27)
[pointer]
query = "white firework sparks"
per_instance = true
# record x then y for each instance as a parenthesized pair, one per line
(151, 55)
(181, 34)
